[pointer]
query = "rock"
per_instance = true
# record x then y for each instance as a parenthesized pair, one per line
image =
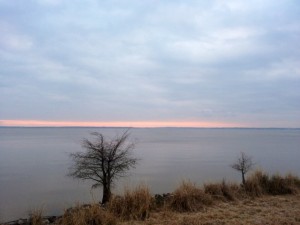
(52, 219)
(22, 222)
(161, 199)
(45, 221)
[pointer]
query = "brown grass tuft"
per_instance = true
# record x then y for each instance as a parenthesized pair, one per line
(293, 180)
(280, 185)
(222, 191)
(35, 217)
(87, 215)
(134, 204)
(260, 183)
(188, 197)
(256, 184)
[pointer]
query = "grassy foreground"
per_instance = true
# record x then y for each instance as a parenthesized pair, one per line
(263, 210)
(264, 199)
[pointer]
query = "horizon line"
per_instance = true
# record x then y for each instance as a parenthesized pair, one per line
(130, 124)
(108, 127)
(135, 124)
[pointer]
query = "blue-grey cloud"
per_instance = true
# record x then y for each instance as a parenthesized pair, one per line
(151, 60)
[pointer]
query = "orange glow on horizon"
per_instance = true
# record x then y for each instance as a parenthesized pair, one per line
(140, 124)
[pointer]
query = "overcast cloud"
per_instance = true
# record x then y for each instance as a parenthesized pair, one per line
(228, 60)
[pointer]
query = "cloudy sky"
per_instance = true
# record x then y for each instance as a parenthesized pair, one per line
(150, 63)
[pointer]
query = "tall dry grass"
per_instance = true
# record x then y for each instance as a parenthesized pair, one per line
(188, 197)
(261, 183)
(134, 204)
(87, 215)
(293, 180)
(137, 204)
(36, 217)
(223, 191)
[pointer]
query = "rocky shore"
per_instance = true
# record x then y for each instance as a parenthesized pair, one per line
(45, 220)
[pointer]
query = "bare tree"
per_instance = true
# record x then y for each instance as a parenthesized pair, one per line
(103, 161)
(243, 164)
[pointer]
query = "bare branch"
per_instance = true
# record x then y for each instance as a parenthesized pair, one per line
(103, 161)
(243, 164)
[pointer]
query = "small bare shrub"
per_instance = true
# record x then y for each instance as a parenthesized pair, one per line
(87, 215)
(243, 164)
(133, 205)
(188, 197)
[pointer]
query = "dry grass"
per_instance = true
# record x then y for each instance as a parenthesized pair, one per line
(271, 210)
(257, 184)
(223, 191)
(35, 217)
(189, 204)
(260, 183)
(278, 202)
(89, 215)
(293, 180)
(188, 197)
(134, 204)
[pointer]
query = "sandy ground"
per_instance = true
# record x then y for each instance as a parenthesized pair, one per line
(263, 210)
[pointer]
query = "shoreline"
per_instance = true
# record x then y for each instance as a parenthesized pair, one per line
(263, 210)
(262, 192)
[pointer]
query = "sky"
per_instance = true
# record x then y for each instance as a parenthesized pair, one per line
(217, 63)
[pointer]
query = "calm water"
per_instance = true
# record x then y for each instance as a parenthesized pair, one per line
(34, 161)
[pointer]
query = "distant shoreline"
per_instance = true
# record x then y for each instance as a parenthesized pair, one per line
(206, 128)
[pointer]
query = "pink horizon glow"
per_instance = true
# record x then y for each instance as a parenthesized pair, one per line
(139, 124)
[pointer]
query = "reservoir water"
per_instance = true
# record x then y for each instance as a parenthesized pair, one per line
(34, 162)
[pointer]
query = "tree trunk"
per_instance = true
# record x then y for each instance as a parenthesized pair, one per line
(106, 194)
(243, 177)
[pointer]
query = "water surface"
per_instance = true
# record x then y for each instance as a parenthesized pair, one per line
(34, 161)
